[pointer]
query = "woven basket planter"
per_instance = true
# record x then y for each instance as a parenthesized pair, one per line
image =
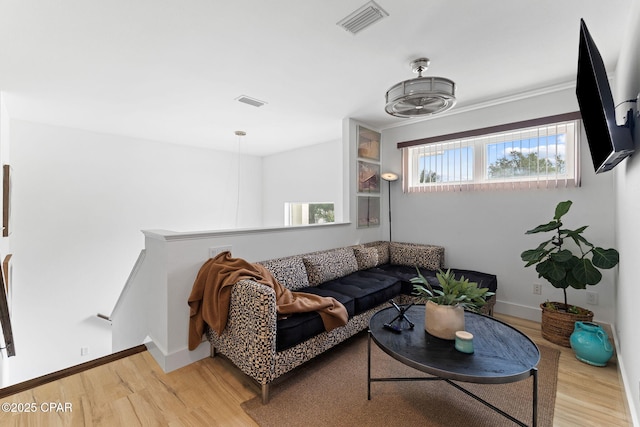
(557, 325)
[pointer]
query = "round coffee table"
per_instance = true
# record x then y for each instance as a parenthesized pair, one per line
(502, 354)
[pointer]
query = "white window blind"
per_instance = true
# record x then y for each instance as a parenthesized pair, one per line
(542, 156)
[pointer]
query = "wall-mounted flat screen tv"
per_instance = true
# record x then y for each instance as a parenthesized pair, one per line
(609, 143)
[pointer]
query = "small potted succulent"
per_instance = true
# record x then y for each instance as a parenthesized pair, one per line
(566, 259)
(444, 308)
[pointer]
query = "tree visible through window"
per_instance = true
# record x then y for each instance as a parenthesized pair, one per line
(308, 213)
(527, 158)
(320, 213)
(449, 164)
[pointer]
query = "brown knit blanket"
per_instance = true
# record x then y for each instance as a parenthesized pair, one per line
(211, 294)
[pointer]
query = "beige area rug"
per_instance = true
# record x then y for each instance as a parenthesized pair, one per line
(332, 391)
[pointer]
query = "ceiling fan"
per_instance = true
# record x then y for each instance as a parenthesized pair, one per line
(420, 96)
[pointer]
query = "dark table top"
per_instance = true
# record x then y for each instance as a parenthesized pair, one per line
(502, 354)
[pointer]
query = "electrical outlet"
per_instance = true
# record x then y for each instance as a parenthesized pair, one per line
(592, 298)
(537, 289)
(217, 250)
(84, 351)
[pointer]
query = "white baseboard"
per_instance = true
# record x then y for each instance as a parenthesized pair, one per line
(525, 312)
(625, 379)
(177, 359)
(517, 310)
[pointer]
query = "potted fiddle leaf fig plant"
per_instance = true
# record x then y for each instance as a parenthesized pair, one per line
(444, 308)
(566, 259)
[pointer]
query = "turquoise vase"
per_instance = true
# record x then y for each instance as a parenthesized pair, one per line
(591, 343)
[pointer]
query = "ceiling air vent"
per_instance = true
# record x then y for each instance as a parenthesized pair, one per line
(251, 101)
(363, 17)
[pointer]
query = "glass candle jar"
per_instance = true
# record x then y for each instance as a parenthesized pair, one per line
(464, 342)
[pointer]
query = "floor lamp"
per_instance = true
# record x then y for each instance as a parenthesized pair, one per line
(389, 177)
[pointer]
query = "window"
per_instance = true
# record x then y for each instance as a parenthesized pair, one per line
(544, 155)
(308, 213)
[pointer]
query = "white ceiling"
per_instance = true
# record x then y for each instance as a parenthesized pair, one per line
(170, 70)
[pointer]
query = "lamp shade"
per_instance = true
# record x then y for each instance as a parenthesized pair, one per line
(389, 176)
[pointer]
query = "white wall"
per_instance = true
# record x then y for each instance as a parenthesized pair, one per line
(309, 174)
(484, 230)
(628, 226)
(172, 261)
(80, 201)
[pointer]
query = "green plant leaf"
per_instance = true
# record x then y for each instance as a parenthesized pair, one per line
(562, 208)
(421, 287)
(533, 255)
(572, 281)
(561, 256)
(573, 309)
(550, 226)
(576, 236)
(544, 244)
(422, 292)
(454, 291)
(577, 230)
(605, 258)
(585, 273)
(551, 270)
(561, 284)
(572, 262)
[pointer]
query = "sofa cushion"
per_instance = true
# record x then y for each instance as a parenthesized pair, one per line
(366, 257)
(383, 251)
(430, 257)
(368, 289)
(299, 327)
(329, 265)
(484, 280)
(406, 273)
(289, 271)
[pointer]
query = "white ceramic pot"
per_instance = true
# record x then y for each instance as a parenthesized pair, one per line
(443, 321)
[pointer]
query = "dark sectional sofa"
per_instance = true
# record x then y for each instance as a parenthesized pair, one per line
(362, 277)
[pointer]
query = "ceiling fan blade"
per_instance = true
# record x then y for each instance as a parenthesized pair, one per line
(420, 105)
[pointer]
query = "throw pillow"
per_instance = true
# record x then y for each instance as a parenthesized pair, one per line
(329, 265)
(383, 251)
(366, 257)
(425, 256)
(289, 271)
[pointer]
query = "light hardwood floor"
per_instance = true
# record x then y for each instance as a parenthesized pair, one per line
(134, 391)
